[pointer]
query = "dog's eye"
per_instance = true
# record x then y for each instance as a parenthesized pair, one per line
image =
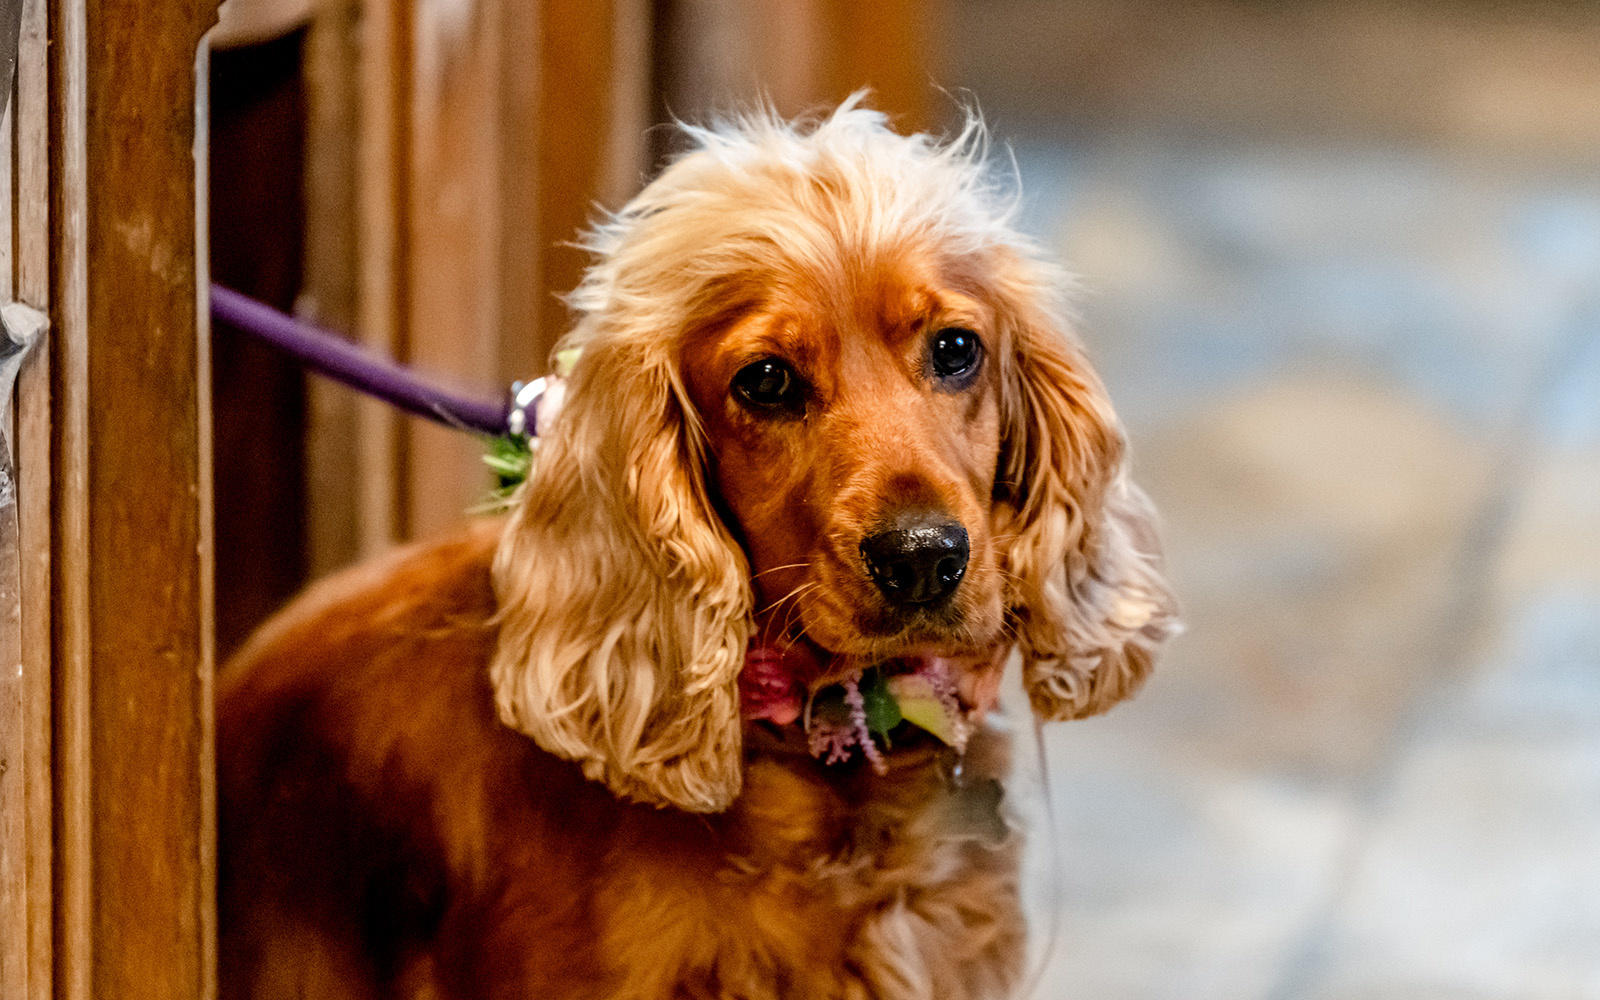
(955, 352)
(769, 384)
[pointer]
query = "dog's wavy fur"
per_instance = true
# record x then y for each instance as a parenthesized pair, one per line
(513, 763)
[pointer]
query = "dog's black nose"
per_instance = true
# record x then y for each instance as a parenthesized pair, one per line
(920, 559)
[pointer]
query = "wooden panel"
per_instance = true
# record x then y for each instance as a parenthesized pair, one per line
(132, 591)
(487, 131)
(32, 285)
(455, 225)
(575, 108)
(13, 809)
(29, 282)
(383, 89)
(799, 54)
(329, 289)
(357, 77)
(523, 117)
(593, 108)
(885, 46)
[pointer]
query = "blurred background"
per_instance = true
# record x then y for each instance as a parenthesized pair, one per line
(1341, 271)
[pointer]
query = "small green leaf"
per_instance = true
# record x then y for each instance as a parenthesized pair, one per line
(509, 458)
(883, 712)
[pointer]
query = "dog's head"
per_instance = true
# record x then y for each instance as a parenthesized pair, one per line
(826, 393)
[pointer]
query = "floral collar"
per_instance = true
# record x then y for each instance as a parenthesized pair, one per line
(862, 713)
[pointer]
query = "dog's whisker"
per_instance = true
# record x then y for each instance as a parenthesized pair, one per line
(791, 598)
(791, 595)
(806, 564)
(796, 610)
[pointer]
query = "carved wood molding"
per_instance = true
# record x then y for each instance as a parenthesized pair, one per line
(132, 850)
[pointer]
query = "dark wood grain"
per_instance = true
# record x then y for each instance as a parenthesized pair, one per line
(132, 662)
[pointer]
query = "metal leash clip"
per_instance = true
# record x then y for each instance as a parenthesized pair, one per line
(535, 404)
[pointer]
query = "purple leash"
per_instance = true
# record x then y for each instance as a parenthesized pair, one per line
(330, 354)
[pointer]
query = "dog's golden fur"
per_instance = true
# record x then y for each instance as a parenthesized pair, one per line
(513, 763)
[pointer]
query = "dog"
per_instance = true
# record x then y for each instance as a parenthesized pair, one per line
(828, 427)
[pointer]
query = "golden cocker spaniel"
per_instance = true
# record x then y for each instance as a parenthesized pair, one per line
(702, 716)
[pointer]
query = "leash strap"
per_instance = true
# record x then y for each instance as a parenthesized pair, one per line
(327, 353)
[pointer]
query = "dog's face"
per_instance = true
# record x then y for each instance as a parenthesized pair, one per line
(853, 424)
(825, 398)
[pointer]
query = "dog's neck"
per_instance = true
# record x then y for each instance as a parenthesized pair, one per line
(795, 809)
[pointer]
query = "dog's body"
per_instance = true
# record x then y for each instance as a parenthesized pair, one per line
(826, 423)
(386, 836)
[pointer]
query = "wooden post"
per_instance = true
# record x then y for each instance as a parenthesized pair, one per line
(26, 955)
(131, 547)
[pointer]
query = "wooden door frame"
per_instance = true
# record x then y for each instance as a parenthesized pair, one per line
(118, 889)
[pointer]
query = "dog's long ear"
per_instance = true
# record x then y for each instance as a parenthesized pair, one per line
(624, 602)
(1087, 597)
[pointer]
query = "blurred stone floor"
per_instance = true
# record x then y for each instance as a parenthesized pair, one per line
(1364, 389)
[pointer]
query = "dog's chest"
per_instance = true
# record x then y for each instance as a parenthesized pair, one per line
(914, 897)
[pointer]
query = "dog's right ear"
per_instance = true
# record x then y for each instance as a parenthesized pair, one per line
(1088, 600)
(624, 603)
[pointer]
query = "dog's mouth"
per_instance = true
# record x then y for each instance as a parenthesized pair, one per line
(849, 707)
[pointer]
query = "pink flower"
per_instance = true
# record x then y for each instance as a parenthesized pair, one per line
(835, 740)
(858, 722)
(831, 742)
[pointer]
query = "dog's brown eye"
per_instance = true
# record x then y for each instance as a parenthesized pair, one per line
(769, 384)
(955, 352)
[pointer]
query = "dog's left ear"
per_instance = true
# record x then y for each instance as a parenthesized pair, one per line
(1086, 596)
(624, 602)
